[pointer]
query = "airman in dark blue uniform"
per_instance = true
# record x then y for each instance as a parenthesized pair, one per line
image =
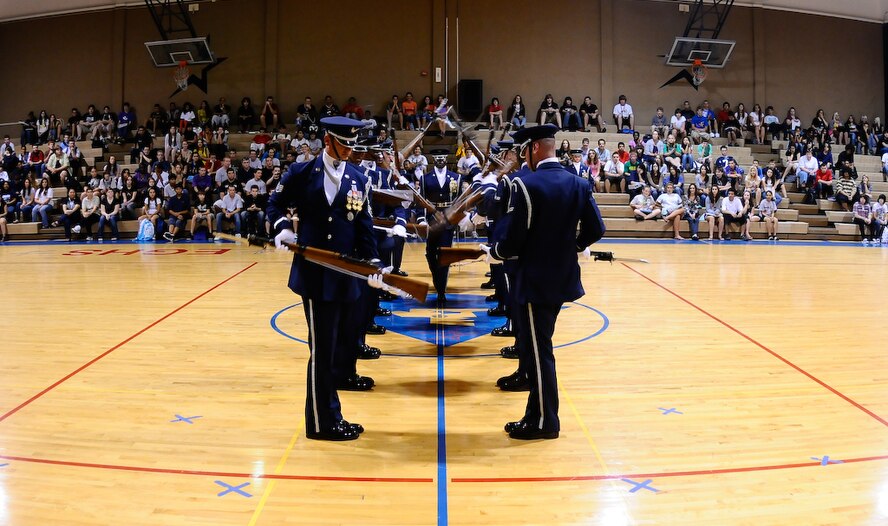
(540, 233)
(331, 197)
(440, 186)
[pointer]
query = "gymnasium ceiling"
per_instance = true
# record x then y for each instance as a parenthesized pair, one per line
(869, 10)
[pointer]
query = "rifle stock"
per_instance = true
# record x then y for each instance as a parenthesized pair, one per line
(450, 255)
(351, 266)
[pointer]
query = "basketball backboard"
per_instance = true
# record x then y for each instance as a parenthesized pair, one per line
(712, 53)
(168, 53)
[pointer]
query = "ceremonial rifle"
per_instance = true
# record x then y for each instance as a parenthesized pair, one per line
(348, 265)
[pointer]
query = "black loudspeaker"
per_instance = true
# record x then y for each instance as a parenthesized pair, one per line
(470, 98)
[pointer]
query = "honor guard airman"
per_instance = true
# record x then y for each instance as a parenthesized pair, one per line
(439, 186)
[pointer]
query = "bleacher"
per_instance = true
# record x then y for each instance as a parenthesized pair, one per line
(821, 221)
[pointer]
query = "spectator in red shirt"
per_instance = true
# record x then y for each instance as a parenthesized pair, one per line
(823, 181)
(352, 110)
(409, 111)
(622, 153)
(495, 112)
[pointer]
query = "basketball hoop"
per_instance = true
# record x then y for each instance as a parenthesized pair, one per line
(181, 74)
(698, 72)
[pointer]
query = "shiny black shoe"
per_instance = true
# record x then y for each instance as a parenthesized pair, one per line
(382, 311)
(496, 311)
(510, 352)
(511, 426)
(503, 331)
(356, 382)
(400, 272)
(375, 329)
(340, 432)
(357, 428)
(525, 431)
(387, 296)
(492, 297)
(488, 285)
(514, 383)
(365, 352)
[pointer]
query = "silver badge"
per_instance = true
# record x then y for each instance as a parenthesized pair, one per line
(351, 216)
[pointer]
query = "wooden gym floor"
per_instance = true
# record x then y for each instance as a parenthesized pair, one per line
(722, 384)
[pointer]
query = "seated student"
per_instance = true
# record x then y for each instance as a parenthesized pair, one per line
(153, 211)
(517, 113)
(700, 127)
(623, 115)
(570, 117)
(693, 204)
(678, 126)
(495, 114)
(644, 206)
(823, 182)
(177, 209)
(653, 148)
(591, 116)
(734, 174)
(109, 213)
(468, 165)
(70, 214)
(613, 174)
(549, 111)
(660, 123)
(731, 129)
(671, 209)
(410, 110)
(880, 218)
(713, 211)
(89, 210)
(253, 214)
(732, 208)
(631, 181)
(863, 218)
(704, 154)
(231, 206)
(767, 213)
(845, 189)
(201, 214)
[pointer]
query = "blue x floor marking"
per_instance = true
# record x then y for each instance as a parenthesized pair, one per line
(186, 419)
(826, 460)
(670, 410)
(233, 489)
(640, 485)
(4, 465)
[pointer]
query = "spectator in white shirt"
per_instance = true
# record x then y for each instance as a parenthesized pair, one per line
(885, 166)
(257, 182)
(623, 115)
(807, 168)
(671, 209)
(230, 209)
(732, 210)
(305, 155)
(677, 124)
(417, 163)
(468, 164)
(643, 205)
(613, 172)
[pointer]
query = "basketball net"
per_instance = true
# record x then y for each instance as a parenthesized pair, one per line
(698, 72)
(181, 74)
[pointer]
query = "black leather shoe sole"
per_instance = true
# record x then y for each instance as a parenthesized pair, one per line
(368, 353)
(502, 332)
(492, 297)
(510, 352)
(487, 285)
(383, 312)
(376, 329)
(340, 433)
(356, 383)
(532, 434)
(496, 311)
(400, 272)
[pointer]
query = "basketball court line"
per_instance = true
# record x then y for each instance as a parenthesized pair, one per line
(764, 348)
(124, 342)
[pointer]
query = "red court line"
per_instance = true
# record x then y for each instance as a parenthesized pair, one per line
(761, 346)
(669, 473)
(124, 342)
(142, 469)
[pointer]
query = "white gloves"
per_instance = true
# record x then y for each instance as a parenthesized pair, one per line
(586, 254)
(286, 236)
(375, 280)
(489, 259)
(465, 224)
(399, 230)
(403, 180)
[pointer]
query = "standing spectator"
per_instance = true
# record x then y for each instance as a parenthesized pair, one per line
(246, 115)
(767, 213)
(863, 218)
(644, 206)
(671, 209)
(495, 113)
(623, 115)
(109, 213)
(200, 214)
(570, 115)
(409, 111)
(177, 209)
(270, 114)
(549, 111)
(660, 123)
(713, 213)
(231, 206)
(517, 113)
(71, 216)
(89, 210)
(43, 203)
(693, 204)
(591, 116)
(221, 114)
(392, 108)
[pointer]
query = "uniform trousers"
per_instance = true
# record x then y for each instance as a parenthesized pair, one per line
(439, 273)
(537, 321)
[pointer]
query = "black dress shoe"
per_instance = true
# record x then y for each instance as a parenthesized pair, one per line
(356, 382)
(503, 331)
(339, 432)
(525, 431)
(488, 285)
(515, 382)
(510, 352)
(496, 311)
(375, 329)
(387, 296)
(382, 311)
(400, 272)
(492, 297)
(511, 426)
(365, 352)
(357, 428)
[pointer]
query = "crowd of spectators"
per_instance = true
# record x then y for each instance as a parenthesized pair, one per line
(194, 179)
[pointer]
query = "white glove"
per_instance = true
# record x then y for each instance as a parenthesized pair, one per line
(586, 254)
(375, 281)
(399, 230)
(286, 236)
(403, 180)
(464, 224)
(386, 270)
(422, 221)
(489, 259)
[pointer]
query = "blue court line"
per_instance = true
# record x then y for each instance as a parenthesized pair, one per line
(233, 489)
(640, 485)
(442, 441)
(278, 330)
(186, 419)
(671, 410)
(826, 460)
